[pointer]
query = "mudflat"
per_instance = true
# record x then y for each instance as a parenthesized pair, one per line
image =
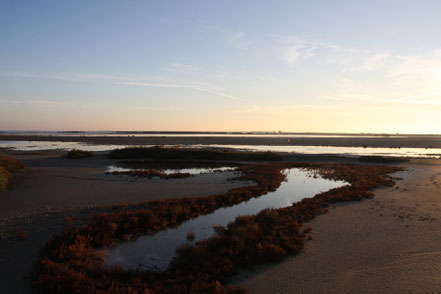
(52, 188)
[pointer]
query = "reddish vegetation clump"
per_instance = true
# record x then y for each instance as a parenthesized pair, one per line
(150, 173)
(68, 220)
(21, 235)
(73, 262)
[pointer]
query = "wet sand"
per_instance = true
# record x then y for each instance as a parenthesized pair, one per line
(390, 244)
(392, 141)
(51, 182)
(52, 187)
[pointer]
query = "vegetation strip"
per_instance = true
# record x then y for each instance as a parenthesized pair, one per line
(78, 154)
(73, 262)
(150, 173)
(174, 153)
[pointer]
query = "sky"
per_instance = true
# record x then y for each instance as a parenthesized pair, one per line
(300, 66)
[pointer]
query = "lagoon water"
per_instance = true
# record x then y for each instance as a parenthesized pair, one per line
(56, 145)
(323, 150)
(156, 251)
(168, 171)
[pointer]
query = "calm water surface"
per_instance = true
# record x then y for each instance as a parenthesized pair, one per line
(168, 171)
(156, 251)
(55, 145)
(323, 150)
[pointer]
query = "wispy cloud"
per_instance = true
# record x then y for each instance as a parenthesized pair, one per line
(39, 102)
(294, 49)
(129, 80)
(348, 96)
(183, 86)
(154, 108)
(180, 68)
(431, 98)
(77, 76)
(286, 109)
(237, 39)
(376, 62)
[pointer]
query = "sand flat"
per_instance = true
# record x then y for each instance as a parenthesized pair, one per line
(51, 182)
(388, 244)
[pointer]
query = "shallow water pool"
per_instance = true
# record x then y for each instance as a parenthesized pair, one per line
(168, 171)
(155, 252)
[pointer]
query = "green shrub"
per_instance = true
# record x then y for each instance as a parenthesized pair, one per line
(77, 154)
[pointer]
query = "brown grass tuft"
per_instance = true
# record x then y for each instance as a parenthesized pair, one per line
(8, 164)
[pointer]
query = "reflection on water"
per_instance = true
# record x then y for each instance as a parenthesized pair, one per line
(55, 145)
(168, 171)
(156, 251)
(330, 150)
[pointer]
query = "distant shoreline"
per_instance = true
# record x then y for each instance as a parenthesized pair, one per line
(417, 141)
(239, 133)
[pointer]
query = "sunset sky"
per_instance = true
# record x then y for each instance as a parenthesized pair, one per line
(317, 66)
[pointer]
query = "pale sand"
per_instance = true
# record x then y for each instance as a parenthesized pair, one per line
(390, 244)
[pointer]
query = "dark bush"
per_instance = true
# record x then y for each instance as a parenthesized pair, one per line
(382, 159)
(78, 154)
(150, 173)
(163, 153)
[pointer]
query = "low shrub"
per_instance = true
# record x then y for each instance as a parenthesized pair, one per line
(150, 173)
(163, 153)
(78, 154)
(10, 163)
(5, 178)
(174, 164)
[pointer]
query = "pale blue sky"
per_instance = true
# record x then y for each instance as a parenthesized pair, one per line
(349, 66)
